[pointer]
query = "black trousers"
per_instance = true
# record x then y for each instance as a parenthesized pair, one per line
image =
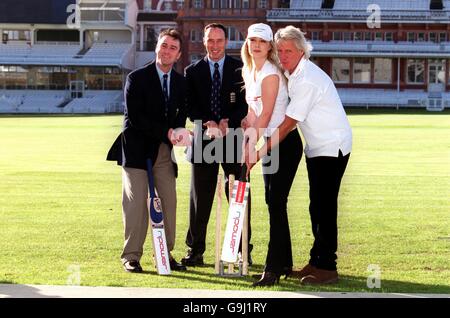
(325, 175)
(277, 188)
(203, 188)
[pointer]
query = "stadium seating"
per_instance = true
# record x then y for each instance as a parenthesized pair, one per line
(384, 4)
(306, 4)
(64, 53)
(354, 97)
(31, 101)
(108, 50)
(95, 102)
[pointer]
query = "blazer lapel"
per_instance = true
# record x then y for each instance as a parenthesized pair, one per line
(227, 74)
(206, 73)
(173, 87)
(154, 85)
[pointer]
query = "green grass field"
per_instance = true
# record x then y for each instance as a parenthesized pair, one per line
(60, 207)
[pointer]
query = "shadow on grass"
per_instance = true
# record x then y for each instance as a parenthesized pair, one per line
(346, 284)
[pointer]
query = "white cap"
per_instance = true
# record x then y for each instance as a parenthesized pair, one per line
(260, 30)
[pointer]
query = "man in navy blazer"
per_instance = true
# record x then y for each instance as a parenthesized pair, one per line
(216, 102)
(154, 107)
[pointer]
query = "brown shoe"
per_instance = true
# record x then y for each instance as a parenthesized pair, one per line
(320, 276)
(305, 271)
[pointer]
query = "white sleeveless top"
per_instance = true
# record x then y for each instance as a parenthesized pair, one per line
(253, 94)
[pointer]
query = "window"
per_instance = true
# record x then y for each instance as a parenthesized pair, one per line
(436, 71)
(245, 4)
(239, 36)
(382, 70)
(411, 37)
(198, 4)
(195, 36)
(388, 36)
(16, 35)
(337, 36)
(232, 34)
(237, 4)
(341, 70)
(113, 78)
(378, 36)
(150, 38)
(315, 36)
(95, 78)
(442, 37)
(421, 37)
(215, 4)
(43, 77)
(347, 36)
(224, 4)
(361, 70)
(433, 37)
(367, 36)
(262, 4)
(416, 71)
(358, 36)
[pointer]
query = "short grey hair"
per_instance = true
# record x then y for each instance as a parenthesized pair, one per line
(295, 34)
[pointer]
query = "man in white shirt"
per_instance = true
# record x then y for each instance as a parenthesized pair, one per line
(317, 110)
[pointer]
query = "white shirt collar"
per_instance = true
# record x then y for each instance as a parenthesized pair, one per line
(161, 73)
(220, 62)
(300, 67)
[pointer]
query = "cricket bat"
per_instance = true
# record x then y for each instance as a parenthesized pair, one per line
(236, 213)
(157, 223)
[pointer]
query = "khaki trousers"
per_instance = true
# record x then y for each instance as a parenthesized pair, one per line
(135, 210)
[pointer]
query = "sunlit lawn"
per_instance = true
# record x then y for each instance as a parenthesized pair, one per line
(60, 207)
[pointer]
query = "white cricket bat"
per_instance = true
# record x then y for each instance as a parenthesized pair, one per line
(236, 212)
(157, 223)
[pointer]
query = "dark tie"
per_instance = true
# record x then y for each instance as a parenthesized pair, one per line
(215, 93)
(166, 95)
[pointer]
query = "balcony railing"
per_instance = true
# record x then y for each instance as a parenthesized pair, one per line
(382, 47)
(235, 45)
(327, 14)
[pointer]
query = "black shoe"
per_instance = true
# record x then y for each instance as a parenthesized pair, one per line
(192, 259)
(175, 266)
(286, 272)
(267, 279)
(132, 267)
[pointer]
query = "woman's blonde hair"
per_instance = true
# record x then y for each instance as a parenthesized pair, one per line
(292, 33)
(272, 57)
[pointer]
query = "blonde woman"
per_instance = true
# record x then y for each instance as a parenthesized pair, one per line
(267, 97)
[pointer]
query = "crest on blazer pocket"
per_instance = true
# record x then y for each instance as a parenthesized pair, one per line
(232, 97)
